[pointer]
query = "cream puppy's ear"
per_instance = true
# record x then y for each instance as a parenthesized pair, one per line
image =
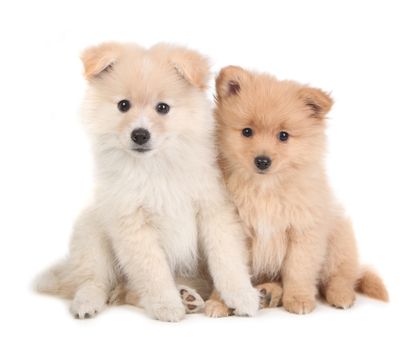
(230, 80)
(316, 101)
(97, 59)
(189, 64)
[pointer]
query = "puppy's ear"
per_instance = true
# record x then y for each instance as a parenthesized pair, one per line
(317, 102)
(229, 81)
(189, 64)
(98, 59)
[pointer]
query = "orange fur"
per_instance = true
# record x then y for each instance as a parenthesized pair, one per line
(372, 285)
(215, 306)
(270, 297)
(297, 230)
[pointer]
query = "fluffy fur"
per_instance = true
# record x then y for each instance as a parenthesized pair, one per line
(297, 231)
(156, 215)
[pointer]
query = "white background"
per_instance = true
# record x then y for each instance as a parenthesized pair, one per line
(360, 51)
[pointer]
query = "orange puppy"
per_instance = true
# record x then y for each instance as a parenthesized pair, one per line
(271, 139)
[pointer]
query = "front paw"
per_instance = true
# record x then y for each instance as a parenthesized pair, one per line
(88, 302)
(270, 294)
(216, 308)
(168, 310)
(298, 304)
(341, 298)
(245, 303)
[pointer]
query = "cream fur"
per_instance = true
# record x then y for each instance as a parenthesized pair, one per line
(155, 215)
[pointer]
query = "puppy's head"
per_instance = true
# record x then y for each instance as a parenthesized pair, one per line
(142, 100)
(267, 126)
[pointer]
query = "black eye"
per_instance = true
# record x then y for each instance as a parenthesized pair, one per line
(247, 132)
(123, 105)
(162, 108)
(283, 136)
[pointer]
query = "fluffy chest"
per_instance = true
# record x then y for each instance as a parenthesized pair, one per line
(158, 187)
(267, 209)
(270, 215)
(267, 254)
(267, 225)
(263, 214)
(169, 200)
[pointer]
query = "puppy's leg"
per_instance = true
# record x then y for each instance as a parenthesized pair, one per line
(225, 248)
(192, 300)
(215, 306)
(91, 264)
(144, 262)
(89, 300)
(341, 268)
(300, 271)
(270, 294)
(87, 275)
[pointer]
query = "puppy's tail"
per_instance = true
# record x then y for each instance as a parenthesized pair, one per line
(372, 285)
(56, 281)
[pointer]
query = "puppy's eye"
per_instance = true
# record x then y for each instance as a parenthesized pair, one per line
(123, 105)
(283, 136)
(162, 108)
(247, 132)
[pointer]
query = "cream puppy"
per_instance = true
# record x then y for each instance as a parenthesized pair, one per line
(159, 205)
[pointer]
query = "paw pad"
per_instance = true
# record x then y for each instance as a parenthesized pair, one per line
(192, 301)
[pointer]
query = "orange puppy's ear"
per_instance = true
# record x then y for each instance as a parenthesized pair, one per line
(97, 59)
(316, 101)
(189, 64)
(229, 81)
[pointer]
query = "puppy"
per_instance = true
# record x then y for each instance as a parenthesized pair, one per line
(159, 204)
(271, 137)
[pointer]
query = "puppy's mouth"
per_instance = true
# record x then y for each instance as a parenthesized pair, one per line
(141, 149)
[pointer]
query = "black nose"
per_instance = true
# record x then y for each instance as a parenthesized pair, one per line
(262, 162)
(140, 136)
